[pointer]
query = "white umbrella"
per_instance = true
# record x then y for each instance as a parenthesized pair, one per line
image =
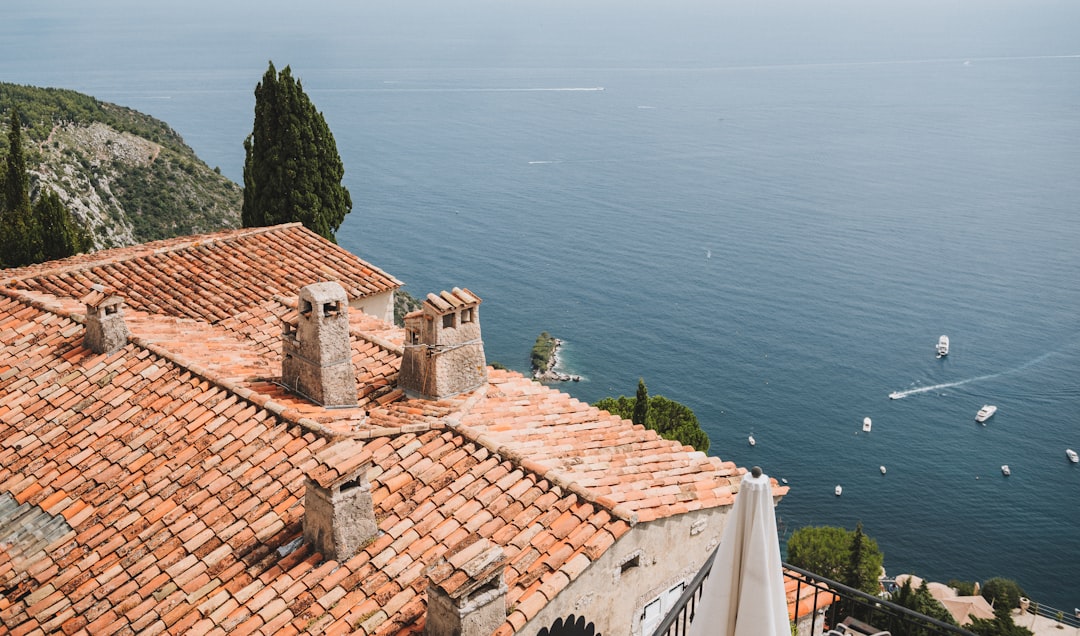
(744, 594)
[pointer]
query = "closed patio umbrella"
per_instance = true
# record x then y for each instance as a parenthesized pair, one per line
(744, 594)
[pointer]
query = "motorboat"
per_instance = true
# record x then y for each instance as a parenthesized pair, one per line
(1005, 470)
(866, 424)
(943, 346)
(882, 469)
(985, 413)
(896, 395)
(1071, 454)
(751, 439)
(838, 490)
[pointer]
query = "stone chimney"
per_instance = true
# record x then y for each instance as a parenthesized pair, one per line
(339, 516)
(106, 330)
(444, 353)
(316, 358)
(466, 594)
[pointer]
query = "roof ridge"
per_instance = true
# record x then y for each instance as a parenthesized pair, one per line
(554, 475)
(161, 246)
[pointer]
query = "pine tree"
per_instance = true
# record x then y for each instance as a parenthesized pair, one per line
(292, 169)
(641, 404)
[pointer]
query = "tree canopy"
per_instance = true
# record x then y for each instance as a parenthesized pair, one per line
(669, 418)
(827, 550)
(919, 599)
(292, 169)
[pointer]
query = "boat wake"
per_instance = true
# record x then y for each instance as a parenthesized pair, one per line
(896, 395)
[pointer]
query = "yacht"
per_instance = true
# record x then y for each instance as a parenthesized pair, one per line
(1071, 454)
(943, 346)
(866, 424)
(985, 412)
(896, 395)
(838, 490)
(751, 439)
(1005, 470)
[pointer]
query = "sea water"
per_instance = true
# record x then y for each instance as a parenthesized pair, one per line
(768, 213)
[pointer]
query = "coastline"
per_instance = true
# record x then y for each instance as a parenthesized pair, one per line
(551, 373)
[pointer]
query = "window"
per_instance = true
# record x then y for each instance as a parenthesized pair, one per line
(448, 321)
(466, 315)
(656, 609)
(630, 564)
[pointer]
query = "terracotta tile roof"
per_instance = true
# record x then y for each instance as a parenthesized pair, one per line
(624, 467)
(803, 597)
(210, 277)
(179, 463)
(185, 503)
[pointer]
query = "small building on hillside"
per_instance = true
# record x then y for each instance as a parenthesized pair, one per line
(244, 443)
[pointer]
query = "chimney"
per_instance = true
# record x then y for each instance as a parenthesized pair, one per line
(444, 353)
(466, 594)
(339, 517)
(316, 358)
(106, 331)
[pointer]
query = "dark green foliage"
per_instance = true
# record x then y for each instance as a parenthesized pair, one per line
(495, 364)
(1001, 625)
(60, 235)
(669, 418)
(16, 179)
(920, 600)
(1000, 591)
(963, 588)
(541, 351)
(20, 238)
(854, 577)
(826, 550)
(641, 404)
(292, 169)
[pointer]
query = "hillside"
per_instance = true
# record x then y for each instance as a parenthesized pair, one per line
(126, 177)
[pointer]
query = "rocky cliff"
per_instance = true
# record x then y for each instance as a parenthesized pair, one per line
(126, 177)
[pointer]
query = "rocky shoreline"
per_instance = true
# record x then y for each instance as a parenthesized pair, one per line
(549, 373)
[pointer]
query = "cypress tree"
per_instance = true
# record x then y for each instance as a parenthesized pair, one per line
(292, 169)
(20, 240)
(641, 404)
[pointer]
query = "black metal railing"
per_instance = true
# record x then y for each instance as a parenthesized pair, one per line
(847, 603)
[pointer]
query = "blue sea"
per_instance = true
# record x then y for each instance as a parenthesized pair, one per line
(769, 211)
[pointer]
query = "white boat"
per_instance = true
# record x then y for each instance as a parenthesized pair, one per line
(882, 469)
(751, 439)
(985, 413)
(943, 346)
(866, 424)
(896, 395)
(838, 490)
(1005, 470)
(1071, 454)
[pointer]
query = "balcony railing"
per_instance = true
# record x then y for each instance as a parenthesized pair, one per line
(846, 603)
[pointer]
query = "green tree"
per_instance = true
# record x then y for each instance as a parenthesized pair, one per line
(641, 404)
(60, 235)
(1001, 625)
(671, 419)
(292, 169)
(826, 550)
(919, 599)
(1000, 591)
(20, 239)
(854, 575)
